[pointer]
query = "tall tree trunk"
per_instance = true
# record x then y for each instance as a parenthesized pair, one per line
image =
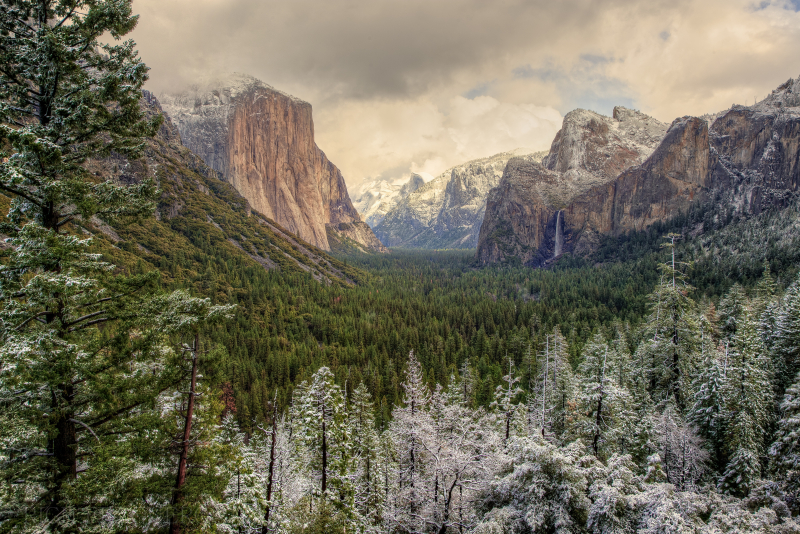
(324, 457)
(175, 526)
(598, 420)
(273, 443)
(446, 515)
(63, 448)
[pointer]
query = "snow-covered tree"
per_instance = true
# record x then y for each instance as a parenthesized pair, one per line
(747, 404)
(84, 351)
(366, 450)
(321, 429)
(671, 335)
(541, 488)
(683, 458)
(554, 386)
(505, 398)
(785, 450)
(409, 429)
(730, 310)
(603, 407)
(707, 412)
(786, 339)
(242, 503)
(612, 492)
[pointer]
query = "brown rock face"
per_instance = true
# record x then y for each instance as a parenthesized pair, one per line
(749, 156)
(262, 141)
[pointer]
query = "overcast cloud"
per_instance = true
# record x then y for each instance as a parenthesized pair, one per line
(420, 85)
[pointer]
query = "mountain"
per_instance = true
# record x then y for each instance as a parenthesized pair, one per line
(447, 211)
(202, 224)
(743, 160)
(376, 198)
(262, 142)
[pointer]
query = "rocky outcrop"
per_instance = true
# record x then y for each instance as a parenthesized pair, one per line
(593, 185)
(447, 211)
(262, 141)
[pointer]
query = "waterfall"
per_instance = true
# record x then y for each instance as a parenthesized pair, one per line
(559, 235)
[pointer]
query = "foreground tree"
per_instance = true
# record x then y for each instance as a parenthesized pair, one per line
(747, 395)
(84, 353)
(671, 335)
(785, 451)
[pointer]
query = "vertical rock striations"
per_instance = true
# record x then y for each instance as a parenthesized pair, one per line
(262, 141)
(611, 176)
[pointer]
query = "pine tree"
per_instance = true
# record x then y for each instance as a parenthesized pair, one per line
(765, 290)
(671, 334)
(786, 336)
(321, 429)
(747, 403)
(785, 450)
(365, 449)
(602, 405)
(707, 411)
(410, 428)
(81, 345)
(730, 310)
(505, 396)
(240, 509)
(554, 385)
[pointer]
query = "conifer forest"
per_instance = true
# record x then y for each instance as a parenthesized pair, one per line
(155, 377)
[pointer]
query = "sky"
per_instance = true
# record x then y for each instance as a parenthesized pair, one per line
(402, 86)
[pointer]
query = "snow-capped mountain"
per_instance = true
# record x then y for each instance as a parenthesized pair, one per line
(447, 211)
(374, 199)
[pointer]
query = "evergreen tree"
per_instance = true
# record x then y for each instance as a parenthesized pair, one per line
(83, 347)
(730, 310)
(554, 385)
(747, 403)
(505, 396)
(365, 449)
(785, 450)
(707, 411)
(602, 405)
(322, 430)
(671, 334)
(410, 428)
(764, 291)
(240, 508)
(786, 347)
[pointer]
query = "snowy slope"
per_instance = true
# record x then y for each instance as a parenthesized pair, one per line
(447, 211)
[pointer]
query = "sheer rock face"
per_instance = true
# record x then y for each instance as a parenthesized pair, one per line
(447, 211)
(606, 182)
(262, 141)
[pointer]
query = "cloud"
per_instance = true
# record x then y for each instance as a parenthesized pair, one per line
(399, 85)
(395, 138)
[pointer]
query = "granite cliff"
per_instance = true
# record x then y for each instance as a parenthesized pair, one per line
(262, 142)
(611, 176)
(447, 211)
(200, 222)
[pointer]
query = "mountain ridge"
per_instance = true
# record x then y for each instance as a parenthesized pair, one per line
(447, 211)
(262, 141)
(747, 156)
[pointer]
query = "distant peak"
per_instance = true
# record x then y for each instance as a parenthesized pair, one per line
(225, 87)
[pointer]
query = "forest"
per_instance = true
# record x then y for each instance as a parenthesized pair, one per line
(155, 377)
